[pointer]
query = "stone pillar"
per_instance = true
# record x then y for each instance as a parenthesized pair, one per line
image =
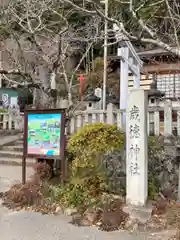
(167, 118)
(136, 148)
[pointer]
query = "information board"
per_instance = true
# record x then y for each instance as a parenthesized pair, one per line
(44, 136)
(44, 133)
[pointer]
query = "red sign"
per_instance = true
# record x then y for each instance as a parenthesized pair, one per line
(81, 86)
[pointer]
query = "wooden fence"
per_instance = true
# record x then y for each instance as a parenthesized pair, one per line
(11, 121)
(161, 120)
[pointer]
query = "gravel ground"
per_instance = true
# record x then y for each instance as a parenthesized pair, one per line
(34, 226)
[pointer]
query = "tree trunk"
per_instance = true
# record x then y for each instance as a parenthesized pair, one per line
(42, 96)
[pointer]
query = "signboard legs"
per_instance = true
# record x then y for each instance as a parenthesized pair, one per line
(24, 151)
(24, 169)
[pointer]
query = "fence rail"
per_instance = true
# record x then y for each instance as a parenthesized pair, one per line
(110, 116)
(161, 120)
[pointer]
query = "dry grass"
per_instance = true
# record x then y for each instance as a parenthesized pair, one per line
(30, 193)
(108, 217)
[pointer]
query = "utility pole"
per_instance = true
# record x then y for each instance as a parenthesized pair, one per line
(105, 52)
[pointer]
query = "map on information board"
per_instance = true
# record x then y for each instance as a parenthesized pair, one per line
(43, 135)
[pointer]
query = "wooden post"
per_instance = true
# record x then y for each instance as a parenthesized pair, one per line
(24, 149)
(119, 119)
(86, 118)
(5, 120)
(94, 118)
(156, 123)
(72, 125)
(178, 123)
(110, 116)
(10, 121)
(101, 117)
(79, 121)
(167, 118)
(63, 164)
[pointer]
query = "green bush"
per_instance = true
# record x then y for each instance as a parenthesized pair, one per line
(154, 146)
(3, 110)
(153, 188)
(155, 155)
(75, 196)
(70, 195)
(95, 138)
(88, 145)
(88, 179)
(87, 183)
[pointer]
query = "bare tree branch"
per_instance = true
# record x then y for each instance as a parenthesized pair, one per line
(39, 28)
(153, 35)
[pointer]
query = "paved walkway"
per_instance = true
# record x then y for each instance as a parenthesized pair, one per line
(34, 226)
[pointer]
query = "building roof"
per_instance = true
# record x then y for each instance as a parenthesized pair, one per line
(154, 52)
(148, 54)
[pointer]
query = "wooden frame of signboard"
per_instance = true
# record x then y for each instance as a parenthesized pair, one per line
(60, 155)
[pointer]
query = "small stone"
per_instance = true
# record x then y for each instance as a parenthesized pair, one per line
(98, 224)
(132, 224)
(58, 209)
(18, 209)
(135, 227)
(70, 211)
(90, 217)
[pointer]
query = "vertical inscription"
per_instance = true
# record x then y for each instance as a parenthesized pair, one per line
(134, 135)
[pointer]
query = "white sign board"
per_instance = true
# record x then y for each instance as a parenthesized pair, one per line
(5, 99)
(13, 101)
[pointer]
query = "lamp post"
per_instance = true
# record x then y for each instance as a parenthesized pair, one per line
(105, 52)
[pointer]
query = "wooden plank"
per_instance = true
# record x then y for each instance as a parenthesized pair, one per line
(142, 87)
(143, 77)
(142, 83)
(161, 68)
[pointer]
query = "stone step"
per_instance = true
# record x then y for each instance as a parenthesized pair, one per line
(18, 142)
(9, 140)
(143, 214)
(17, 148)
(16, 161)
(13, 154)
